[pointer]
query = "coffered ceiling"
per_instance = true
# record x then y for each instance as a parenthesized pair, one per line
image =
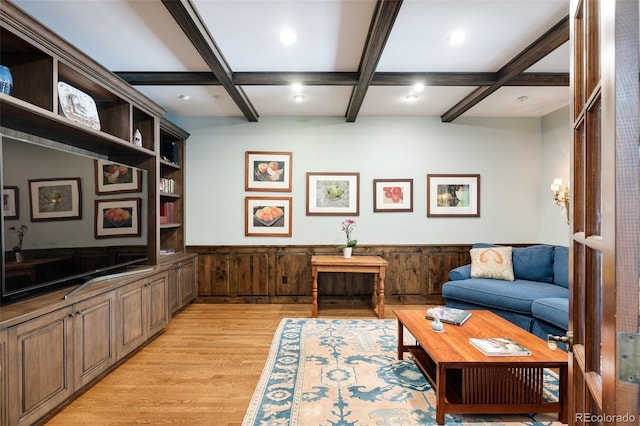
(351, 58)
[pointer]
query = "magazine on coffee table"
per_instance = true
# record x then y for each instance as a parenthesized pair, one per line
(499, 346)
(448, 315)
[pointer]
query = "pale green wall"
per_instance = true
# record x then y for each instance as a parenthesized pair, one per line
(508, 153)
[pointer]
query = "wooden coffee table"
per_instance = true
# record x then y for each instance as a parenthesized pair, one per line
(467, 381)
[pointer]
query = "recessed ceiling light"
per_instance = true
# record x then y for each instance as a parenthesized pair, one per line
(296, 87)
(288, 37)
(418, 87)
(457, 37)
(522, 98)
(184, 97)
(411, 98)
(298, 98)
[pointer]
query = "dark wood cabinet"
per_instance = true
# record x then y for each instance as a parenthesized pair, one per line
(94, 329)
(142, 311)
(41, 365)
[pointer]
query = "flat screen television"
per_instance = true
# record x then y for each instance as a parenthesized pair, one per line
(85, 218)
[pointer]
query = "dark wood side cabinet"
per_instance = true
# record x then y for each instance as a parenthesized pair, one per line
(183, 285)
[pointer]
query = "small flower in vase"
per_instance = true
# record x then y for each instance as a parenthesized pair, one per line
(436, 325)
(18, 247)
(347, 228)
(20, 231)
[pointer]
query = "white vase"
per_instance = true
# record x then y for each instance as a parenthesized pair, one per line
(19, 257)
(437, 326)
(346, 252)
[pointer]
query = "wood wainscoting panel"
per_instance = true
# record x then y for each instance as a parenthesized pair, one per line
(293, 275)
(443, 261)
(282, 274)
(214, 273)
(251, 272)
(405, 274)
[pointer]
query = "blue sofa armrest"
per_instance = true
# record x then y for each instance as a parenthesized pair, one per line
(460, 273)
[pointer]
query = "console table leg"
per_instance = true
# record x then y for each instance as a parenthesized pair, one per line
(314, 293)
(381, 294)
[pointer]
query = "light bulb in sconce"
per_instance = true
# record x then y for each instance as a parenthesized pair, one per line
(561, 195)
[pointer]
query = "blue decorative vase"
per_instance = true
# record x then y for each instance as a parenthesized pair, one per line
(6, 80)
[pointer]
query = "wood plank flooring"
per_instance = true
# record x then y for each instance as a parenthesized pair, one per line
(201, 371)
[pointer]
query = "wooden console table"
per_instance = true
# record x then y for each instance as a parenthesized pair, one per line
(356, 264)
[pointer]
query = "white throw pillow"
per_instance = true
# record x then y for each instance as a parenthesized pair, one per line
(492, 262)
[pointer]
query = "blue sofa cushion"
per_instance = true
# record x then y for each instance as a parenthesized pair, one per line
(460, 273)
(561, 266)
(514, 296)
(553, 310)
(532, 263)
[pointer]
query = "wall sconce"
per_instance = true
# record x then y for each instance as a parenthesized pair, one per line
(561, 195)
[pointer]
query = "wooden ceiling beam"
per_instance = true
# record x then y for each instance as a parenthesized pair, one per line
(547, 43)
(383, 18)
(186, 15)
(206, 78)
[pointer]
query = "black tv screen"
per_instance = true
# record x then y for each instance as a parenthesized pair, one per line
(82, 217)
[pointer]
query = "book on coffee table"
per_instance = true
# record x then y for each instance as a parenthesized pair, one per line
(499, 346)
(448, 315)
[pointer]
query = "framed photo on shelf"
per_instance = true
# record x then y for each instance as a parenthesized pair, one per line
(393, 195)
(453, 195)
(113, 178)
(333, 194)
(55, 199)
(10, 202)
(267, 216)
(268, 171)
(117, 218)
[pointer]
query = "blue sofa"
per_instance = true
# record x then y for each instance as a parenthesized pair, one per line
(538, 298)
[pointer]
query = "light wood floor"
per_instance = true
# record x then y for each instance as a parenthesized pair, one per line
(201, 371)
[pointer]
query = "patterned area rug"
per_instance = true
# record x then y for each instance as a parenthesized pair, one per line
(345, 372)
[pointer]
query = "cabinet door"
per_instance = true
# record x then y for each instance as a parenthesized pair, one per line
(174, 293)
(41, 358)
(130, 318)
(4, 379)
(187, 282)
(94, 337)
(156, 304)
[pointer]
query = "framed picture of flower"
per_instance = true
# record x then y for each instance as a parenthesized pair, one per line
(10, 202)
(55, 199)
(453, 195)
(267, 216)
(268, 171)
(334, 194)
(393, 195)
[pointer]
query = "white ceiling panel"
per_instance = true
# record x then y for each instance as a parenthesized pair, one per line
(318, 100)
(537, 102)
(431, 101)
(330, 34)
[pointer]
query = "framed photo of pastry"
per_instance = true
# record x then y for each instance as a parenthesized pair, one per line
(268, 171)
(267, 216)
(117, 218)
(114, 178)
